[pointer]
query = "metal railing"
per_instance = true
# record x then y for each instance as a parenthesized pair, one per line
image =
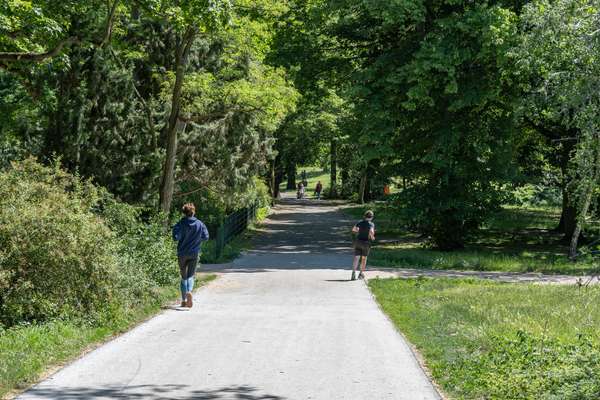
(233, 225)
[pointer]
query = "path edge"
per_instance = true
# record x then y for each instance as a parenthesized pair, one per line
(417, 356)
(51, 371)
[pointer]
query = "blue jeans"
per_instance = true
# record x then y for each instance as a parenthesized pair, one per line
(187, 269)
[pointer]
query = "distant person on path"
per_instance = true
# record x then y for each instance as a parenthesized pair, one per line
(189, 232)
(318, 190)
(364, 233)
(300, 193)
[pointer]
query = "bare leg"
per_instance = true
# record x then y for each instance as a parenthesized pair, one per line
(354, 267)
(355, 264)
(363, 263)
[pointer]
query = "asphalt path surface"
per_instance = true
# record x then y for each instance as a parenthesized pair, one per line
(281, 322)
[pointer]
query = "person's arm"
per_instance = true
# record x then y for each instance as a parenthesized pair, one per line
(372, 234)
(177, 232)
(204, 234)
(355, 229)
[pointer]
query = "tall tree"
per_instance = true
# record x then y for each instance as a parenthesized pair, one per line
(188, 19)
(558, 54)
(433, 101)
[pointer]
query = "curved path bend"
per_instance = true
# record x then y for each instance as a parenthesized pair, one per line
(282, 322)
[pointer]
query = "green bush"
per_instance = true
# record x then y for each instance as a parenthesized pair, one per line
(56, 256)
(144, 247)
(69, 249)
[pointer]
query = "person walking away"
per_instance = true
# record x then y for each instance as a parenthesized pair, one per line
(300, 193)
(364, 232)
(318, 190)
(189, 233)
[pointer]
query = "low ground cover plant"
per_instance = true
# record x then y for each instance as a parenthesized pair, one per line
(488, 340)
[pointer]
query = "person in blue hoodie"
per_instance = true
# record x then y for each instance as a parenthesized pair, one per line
(189, 232)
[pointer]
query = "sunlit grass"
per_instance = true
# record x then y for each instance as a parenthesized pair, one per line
(487, 340)
(313, 175)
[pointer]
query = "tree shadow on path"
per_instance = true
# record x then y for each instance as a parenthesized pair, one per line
(151, 392)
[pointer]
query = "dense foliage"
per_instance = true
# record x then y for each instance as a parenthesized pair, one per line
(457, 103)
(143, 97)
(68, 249)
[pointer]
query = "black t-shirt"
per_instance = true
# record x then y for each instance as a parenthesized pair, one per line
(364, 227)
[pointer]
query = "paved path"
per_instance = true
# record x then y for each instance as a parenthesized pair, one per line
(282, 322)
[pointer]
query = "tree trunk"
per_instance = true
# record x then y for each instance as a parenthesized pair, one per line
(167, 182)
(271, 181)
(568, 217)
(591, 185)
(333, 192)
(344, 176)
(291, 177)
(279, 175)
(362, 188)
(580, 221)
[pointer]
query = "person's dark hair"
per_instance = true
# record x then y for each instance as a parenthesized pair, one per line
(188, 209)
(368, 214)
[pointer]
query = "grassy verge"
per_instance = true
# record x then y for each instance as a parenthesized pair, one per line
(514, 240)
(313, 175)
(487, 340)
(26, 352)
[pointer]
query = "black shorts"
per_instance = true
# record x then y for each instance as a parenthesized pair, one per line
(361, 248)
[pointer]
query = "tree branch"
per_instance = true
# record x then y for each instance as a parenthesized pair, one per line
(38, 57)
(182, 194)
(110, 19)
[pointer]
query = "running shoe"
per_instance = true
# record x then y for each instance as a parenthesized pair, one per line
(361, 276)
(189, 300)
(353, 276)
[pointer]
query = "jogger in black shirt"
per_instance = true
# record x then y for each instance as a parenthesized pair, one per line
(365, 233)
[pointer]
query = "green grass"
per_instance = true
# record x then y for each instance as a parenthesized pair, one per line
(27, 351)
(487, 340)
(517, 239)
(313, 175)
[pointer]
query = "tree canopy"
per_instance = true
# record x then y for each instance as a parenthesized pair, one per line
(455, 103)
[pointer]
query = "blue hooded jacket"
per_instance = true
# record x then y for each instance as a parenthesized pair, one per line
(190, 232)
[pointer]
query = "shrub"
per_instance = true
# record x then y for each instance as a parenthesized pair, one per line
(69, 249)
(56, 256)
(145, 249)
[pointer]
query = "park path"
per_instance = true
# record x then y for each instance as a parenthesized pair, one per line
(281, 322)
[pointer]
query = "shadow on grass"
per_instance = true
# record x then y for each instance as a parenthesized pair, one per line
(150, 392)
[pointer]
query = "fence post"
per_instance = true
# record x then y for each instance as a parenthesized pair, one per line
(220, 244)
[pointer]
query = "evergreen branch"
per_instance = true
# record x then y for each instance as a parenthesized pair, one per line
(149, 114)
(38, 57)
(183, 194)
